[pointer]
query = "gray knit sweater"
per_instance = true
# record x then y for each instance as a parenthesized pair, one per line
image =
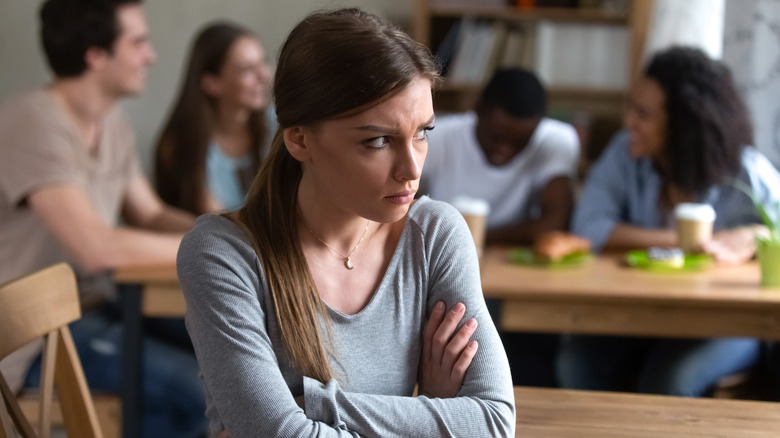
(250, 384)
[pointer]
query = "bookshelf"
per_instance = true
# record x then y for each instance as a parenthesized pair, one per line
(586, 56)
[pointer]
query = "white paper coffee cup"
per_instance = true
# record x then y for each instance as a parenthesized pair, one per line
(694, 225)
(475, 211)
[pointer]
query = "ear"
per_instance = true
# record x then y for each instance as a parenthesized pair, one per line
(295, 139)
(95, 58)
(211, 85)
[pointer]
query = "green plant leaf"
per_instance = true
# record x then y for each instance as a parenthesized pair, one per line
(762, 210)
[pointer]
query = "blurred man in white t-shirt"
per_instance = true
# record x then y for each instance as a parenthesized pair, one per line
(523, 164)
(509, 154)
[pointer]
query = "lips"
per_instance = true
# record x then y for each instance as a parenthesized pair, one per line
(403, 197)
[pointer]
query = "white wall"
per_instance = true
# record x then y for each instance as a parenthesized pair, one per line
(172, 23)
(751, 49)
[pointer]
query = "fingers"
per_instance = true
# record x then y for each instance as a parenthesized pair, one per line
(447, 352)
(446, 329)
(458, 343)
(437, 314)
(731, 247)
(463, 362)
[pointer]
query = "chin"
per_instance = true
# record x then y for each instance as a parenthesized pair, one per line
(391, 215)
(131, 92)
(636, 151)
(401, 212)
(256, 104)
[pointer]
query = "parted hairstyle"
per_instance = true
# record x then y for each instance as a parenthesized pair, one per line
(333, 64)
(70, 27)
(182, 147)
(708, 124)
(516, 91)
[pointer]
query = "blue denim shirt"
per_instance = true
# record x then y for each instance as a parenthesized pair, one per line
(622, 189)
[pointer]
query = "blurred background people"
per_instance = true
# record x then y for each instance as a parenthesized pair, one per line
(508, 153)
(687, 139)
(211, 146)
(523, 164)
(68, 175)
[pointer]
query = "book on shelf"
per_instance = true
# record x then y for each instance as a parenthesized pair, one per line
(582, 55)
(476, 51)
(615, 6)
(446, 50)
(467, 3)
(563, 54)
(465, 51)
(472, 50)
(518, 48)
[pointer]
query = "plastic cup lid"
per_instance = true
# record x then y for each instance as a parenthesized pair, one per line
(695, 212)
(469, 205)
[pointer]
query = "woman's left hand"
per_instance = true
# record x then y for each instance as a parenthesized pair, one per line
(446, 351)
(734, 246)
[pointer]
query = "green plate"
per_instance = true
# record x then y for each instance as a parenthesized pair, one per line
(525, 256)
(691, 262)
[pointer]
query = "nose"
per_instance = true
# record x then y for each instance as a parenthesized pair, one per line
(629, 118)
(410, 161)
(151, 56)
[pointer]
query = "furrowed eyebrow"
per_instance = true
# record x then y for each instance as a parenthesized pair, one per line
(377, 129)
(390, 131)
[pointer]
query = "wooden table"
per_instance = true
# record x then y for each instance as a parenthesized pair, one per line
(601, 297)
(559, 413)
(604, 297)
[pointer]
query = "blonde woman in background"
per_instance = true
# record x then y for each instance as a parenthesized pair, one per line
(212, 145)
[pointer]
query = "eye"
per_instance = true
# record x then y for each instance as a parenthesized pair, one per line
(423, 133)
(377, 142)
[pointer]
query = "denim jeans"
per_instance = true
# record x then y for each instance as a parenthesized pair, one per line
(174, 402)
(683, 367)
(532, 357)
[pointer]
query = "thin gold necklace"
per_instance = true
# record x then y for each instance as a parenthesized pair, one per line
(347, 262)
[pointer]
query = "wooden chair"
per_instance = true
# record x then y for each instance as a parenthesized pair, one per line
(41, 305)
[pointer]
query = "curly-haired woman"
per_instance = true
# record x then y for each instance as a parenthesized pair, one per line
(686, 139)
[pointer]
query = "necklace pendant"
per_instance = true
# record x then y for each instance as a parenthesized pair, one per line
(348, 263)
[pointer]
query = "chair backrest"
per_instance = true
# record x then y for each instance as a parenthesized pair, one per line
(41, 305)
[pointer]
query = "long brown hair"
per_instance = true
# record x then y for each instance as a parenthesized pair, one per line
(332, 64)
(180, 162)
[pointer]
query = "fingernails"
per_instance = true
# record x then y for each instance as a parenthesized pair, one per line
(472, 323)
(439, 307)
(459, 308)
(472, 345)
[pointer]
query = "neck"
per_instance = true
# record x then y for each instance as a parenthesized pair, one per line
(318, 219)
(231, 130)
(85, 103)
(231, 119)
(83, 99)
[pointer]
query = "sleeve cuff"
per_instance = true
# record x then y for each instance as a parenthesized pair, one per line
(320, 402)
(597, 232)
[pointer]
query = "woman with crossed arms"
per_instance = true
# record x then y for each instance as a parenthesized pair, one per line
(319, 307)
